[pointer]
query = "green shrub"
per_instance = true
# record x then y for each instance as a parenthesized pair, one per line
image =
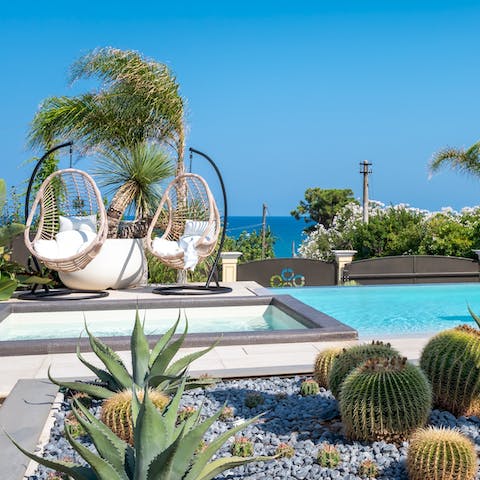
(323, 365)
(285, 450)
(254, 399)
(441, 454)
(384, 399)
(352, 357)
(451, 361)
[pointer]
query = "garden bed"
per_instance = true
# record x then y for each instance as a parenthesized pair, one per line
(305, 422)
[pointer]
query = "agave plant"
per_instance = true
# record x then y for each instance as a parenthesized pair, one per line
(163, 449)
(153, 366)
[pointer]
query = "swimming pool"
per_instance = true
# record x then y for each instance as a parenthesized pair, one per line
(393, 310)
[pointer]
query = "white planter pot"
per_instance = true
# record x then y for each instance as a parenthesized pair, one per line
(121, 263)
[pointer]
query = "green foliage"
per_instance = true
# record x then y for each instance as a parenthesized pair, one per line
(137, 101)
(451, 361)
(321, 206)
(254, 399)
(384, 399)
(328, 456)
(250, 244)
(368, 468)
(309, 387)
(323, 365)
(458, 159)
(396, 230)
(116, 412)
(351, 358)
(241, 447)
(441, 454)
(155, 367)
(162, 449)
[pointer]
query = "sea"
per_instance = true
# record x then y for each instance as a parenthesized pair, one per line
(287, 231)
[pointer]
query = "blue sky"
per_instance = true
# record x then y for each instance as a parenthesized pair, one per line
(283, 95)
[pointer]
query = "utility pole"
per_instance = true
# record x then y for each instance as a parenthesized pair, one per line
(365, 171)
(264, 229)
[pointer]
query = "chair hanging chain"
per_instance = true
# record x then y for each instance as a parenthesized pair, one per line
(71, 152)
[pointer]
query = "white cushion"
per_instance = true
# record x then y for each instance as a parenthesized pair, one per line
(166, 248)
(82, 224)
(46, 248)
(195, 227)
(188, 244)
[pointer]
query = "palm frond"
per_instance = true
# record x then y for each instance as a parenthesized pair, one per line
(458, 159)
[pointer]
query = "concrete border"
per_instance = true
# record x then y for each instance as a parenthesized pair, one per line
(320, 327)
(23, 415)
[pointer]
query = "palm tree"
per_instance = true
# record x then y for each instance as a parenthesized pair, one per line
(133, 175)
(459, 159)
(132, 122)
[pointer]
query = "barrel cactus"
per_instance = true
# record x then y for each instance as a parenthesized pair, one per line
(352, 357)
(384, 399)
(116, 412)
(309, 387)
(441, 454)
(323, 365)
(451, 361)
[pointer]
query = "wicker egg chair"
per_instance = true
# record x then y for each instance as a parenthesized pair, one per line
(65, 197)
(186, 203)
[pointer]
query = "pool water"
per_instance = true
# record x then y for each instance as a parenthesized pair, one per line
(394, 309)
(105, 323)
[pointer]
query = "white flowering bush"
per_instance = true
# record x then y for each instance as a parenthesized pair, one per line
(396, 230)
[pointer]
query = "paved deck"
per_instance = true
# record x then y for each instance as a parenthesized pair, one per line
(222, 361)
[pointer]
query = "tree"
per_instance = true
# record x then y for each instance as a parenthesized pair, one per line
(250, 244)
(321, 206)
(459, 159)
(133, 121)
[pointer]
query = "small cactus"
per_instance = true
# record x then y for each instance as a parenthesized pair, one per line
(83, 398)
(202, 446)
(328, 456)
(185, 413)
(285, 450)
(384, 399)
(75, 428)
(242, 447)
(323, 365)
(254, 399)
(309, 387)
(368, 469)
(441, 454)
(116, 411)
(227, 412)
(351, 358)
(451, 361)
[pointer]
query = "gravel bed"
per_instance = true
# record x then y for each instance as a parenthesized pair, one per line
(304, 422)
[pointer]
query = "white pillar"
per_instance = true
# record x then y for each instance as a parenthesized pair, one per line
(342, 258)
(229, 266)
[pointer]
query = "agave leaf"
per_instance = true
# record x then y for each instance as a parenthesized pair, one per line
(203, 458)
(161, 467)
(7, 287)
(111, 360)
(189, 444)
(140, 352)
(75, 471)
(219, 465)
(166, 383)
(185, 361)
(93, 390)
(474, 316)
(103, 375)
(163, 360)
(103, 469)
(150, 436)
(108, 445)
(162, 343)
(170, 412)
